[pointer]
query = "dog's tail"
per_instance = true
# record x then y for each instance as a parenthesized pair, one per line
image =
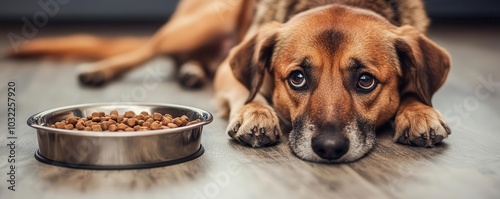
(76, 46)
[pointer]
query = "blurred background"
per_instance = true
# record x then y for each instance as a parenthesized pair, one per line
(93, 11)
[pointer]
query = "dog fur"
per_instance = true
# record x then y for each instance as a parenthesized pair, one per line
(295, 63)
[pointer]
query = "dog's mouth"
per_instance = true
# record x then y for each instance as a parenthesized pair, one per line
(350, 143)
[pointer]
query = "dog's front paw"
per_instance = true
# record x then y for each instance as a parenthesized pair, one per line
(420, 125)
(256, 125)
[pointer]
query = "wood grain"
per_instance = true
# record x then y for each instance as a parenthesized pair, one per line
(467, 165)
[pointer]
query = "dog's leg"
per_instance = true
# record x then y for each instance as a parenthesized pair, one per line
(182, 35)
(419, 124)
(255, 123)
(100, 72)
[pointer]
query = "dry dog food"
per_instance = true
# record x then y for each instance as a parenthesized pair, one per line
(129, 121)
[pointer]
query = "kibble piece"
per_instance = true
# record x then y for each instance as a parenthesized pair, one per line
(114, 112)
(177, 122)
(95, 114)
(80, 125)
(171, 125)
(150, 120)
(143, 128)
(68, 126)
(129, 129)
(146, 124)
(166, 120)
(140, 122)
(122, 126)
(113, 128)
(157, 116)
(105, 125)
(59, 125)
(96, 128)
(96, 119)
(155, 126)
(139, 117)
(137, 128)
(106, 118)
(129, 114)
(131, 122)
(72, 120)
(164, 127)
(114, 117)
(53, 125)
(193, 122)
(87, 129)
(101, 114)
(119, 119)
(145, 113)
(184, 120)
(88, 123)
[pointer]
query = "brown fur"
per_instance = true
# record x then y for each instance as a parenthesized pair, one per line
(331, 42)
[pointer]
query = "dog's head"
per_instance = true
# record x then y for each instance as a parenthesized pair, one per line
(338, 73)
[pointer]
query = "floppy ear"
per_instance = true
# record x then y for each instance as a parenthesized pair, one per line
(250, 59)
(424, 64)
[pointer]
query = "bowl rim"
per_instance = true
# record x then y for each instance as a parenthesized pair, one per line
(33, 120)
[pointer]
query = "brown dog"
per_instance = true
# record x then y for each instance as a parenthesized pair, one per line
(332, 70)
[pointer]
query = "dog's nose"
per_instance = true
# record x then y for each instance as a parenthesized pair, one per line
(330, 146)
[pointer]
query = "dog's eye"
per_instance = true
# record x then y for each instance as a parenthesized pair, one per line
(297, 80)
(366, 82)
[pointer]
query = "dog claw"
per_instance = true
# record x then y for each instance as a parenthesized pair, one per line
(277, 133)
(433, 133)
(446, 128)
(233, 131)
(428, 143)
(406, 133)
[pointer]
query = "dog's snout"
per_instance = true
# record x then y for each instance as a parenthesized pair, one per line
(330, 146)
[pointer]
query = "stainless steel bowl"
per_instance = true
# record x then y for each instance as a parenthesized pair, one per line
(118, 150)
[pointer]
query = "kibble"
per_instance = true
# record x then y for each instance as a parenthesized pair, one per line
(129, 121)
(96, 128)
(129, 114)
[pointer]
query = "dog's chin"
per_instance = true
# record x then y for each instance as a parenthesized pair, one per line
(360, 144)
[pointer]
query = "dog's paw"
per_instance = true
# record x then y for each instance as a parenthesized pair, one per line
(420, 125)
(90, 77)
(191, 75)
(256, 125)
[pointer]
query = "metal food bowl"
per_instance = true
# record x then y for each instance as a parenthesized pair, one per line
(118, 150)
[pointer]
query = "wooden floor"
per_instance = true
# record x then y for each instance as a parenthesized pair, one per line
(467, 165)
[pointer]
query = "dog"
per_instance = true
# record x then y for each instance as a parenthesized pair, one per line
(329, 71)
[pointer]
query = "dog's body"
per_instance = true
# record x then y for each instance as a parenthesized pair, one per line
(332, 70)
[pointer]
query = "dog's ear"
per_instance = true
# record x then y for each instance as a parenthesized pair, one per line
(250, 59)
(424, 64)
